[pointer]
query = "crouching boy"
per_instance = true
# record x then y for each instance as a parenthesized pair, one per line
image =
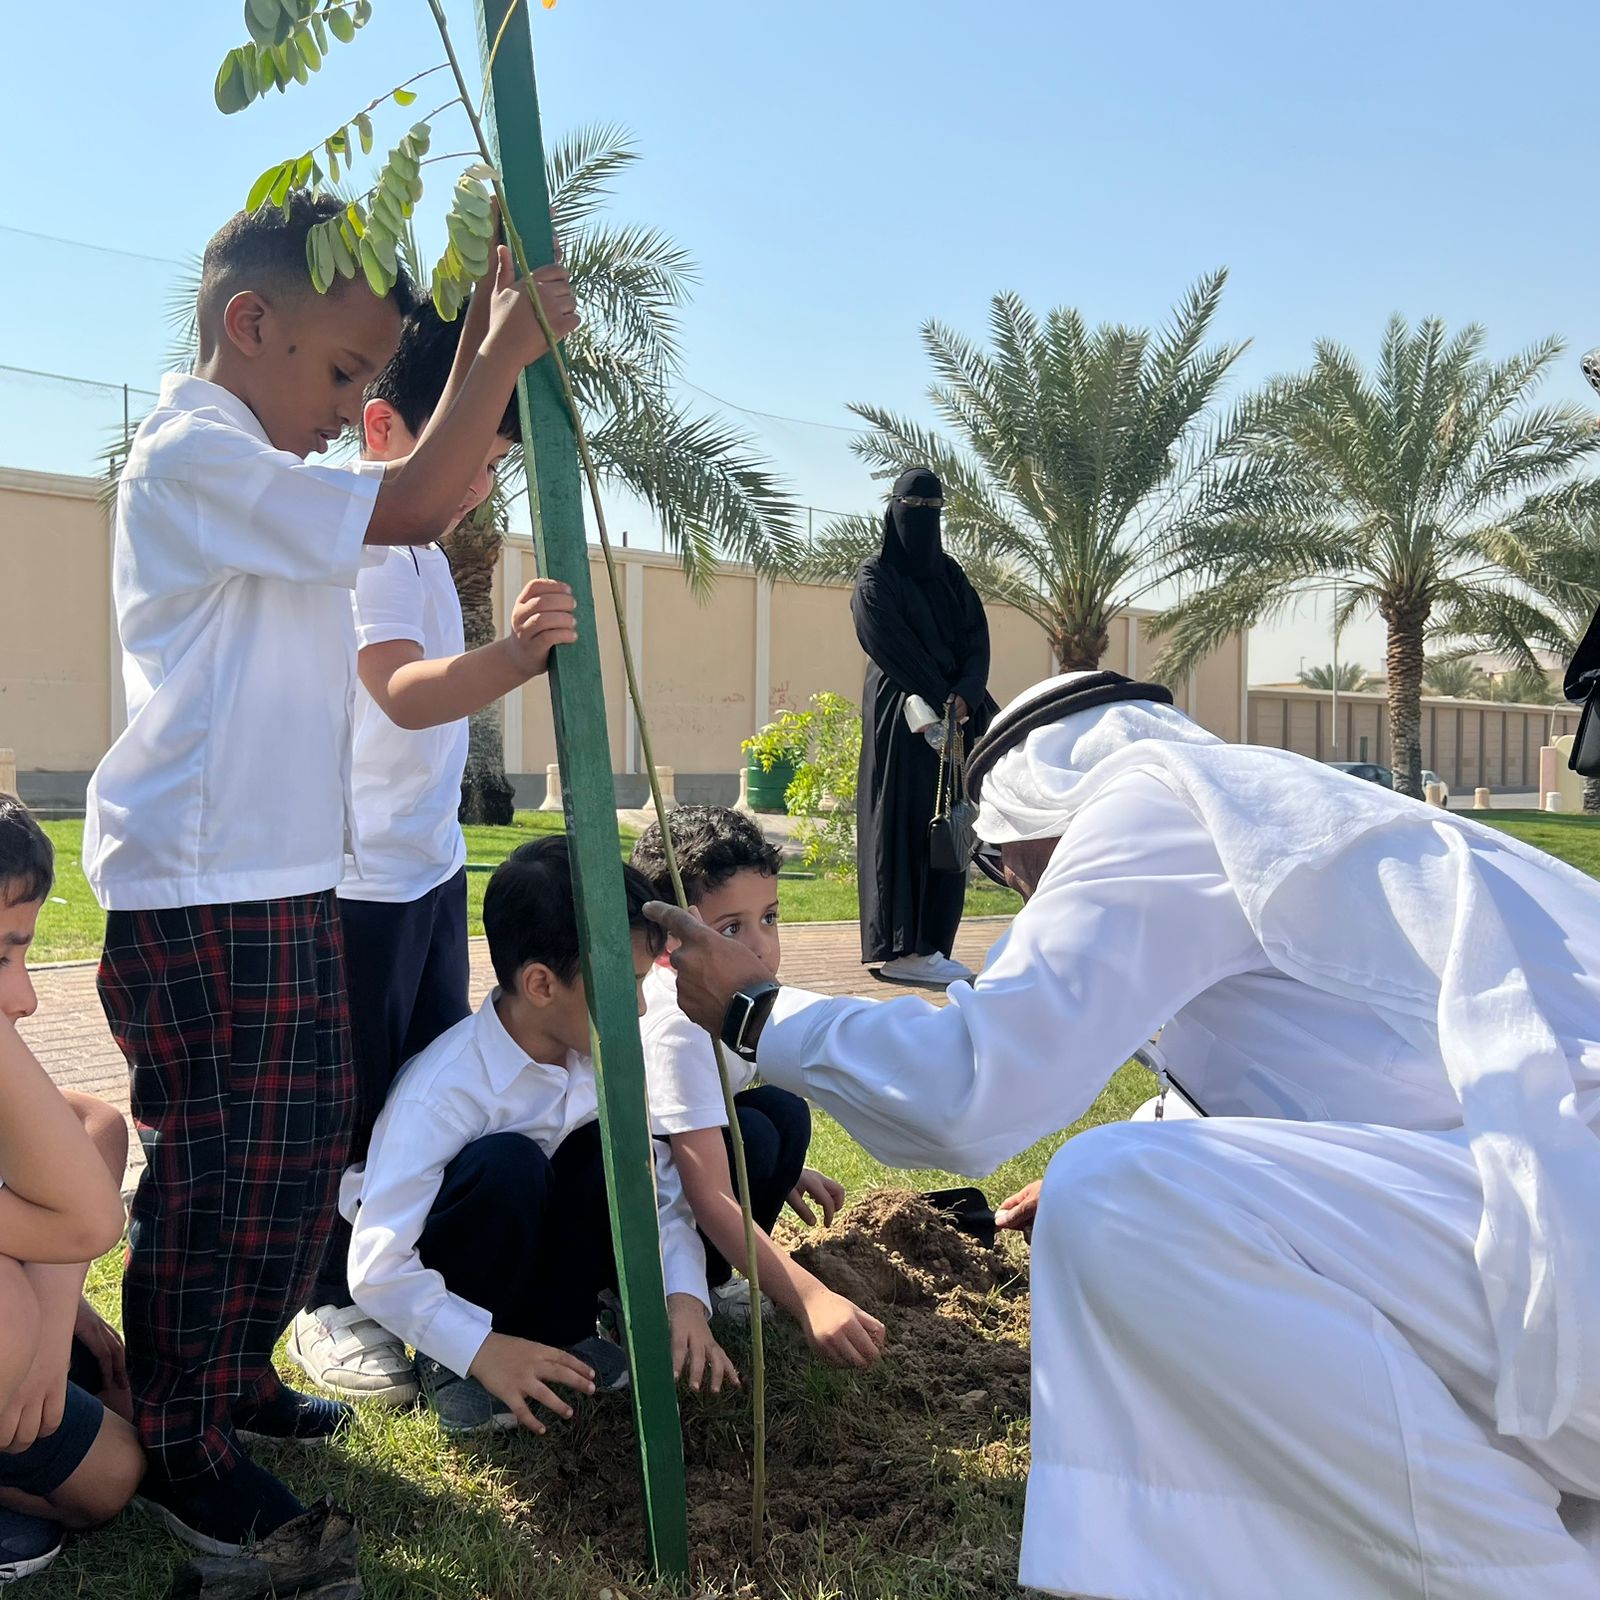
(730, 877)
(480, 1229)
(69, 1457)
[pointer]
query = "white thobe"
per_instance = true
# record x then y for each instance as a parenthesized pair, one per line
(1264, 1361)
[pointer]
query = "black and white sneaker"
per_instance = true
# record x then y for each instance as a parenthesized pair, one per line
(290, 1417)
(27, 1545)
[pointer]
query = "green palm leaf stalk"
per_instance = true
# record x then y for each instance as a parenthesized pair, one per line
(1401, 483)
(1074, 460)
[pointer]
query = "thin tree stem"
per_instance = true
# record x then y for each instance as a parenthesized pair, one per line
(592, 479)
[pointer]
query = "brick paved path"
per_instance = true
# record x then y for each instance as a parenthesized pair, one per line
(69, 1035)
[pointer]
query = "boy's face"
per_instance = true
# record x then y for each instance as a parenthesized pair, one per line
(17, 923)
(385, 437)
(307, 358)
(746, 908)
(563, 1008)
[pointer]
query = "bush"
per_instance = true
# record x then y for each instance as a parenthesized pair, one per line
(824, 744)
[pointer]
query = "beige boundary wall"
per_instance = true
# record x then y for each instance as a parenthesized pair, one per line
(1469, 743)
(712, 672)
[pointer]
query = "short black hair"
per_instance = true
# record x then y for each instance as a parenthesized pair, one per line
(530, 914)
(27, 858)
(420, 367)
(711, 843)
(266, 250)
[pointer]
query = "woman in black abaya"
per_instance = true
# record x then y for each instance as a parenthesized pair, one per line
(922, 626)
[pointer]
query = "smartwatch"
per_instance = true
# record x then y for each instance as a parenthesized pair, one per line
(742, 1021)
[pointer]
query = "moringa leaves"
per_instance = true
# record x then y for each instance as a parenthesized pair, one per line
(471, 226)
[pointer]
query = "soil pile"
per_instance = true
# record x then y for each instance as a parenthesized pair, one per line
(879, 1458)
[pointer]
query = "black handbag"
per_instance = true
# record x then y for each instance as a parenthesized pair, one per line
(1583, 684)
(952, 835)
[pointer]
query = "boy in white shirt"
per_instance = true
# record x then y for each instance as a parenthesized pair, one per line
(217, 825)
(404, 903)
(480, 1223)
(730, 877)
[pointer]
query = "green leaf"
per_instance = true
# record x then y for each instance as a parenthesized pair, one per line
(405, 97)
(364, 129)
(387, 209)
(321, 264)
(302, 171)
(319, 31)
(307, 47)
(344, 252)
(340, 25)
(297, 62)
(383, 244)
(250, 61)
(266, 68)
(363, 10)
(232, 90)
(283, 33)
(447, 295)
(263, 186)
(373, 267)
(482, 171)
(333, 160)
(420, 135)
(356, 217)
(325, 236)
(282, 184)
(261, 18)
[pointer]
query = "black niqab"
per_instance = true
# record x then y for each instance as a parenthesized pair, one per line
(912, 542)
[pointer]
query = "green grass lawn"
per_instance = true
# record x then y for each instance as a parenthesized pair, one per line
(71, 926)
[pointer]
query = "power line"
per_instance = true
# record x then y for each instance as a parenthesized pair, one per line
(81, 383)
(83, 244)
(770, 416)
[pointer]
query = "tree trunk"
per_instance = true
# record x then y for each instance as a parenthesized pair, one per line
(1079, 647)
(474, 549)
(1591, 795)
(1406, 621)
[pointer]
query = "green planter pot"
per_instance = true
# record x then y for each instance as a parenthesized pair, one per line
(767, 789)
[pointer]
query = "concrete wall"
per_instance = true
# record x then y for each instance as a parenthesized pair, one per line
(712, 670)
(56, 707)
(1469, 743)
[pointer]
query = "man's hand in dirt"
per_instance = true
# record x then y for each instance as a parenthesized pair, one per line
(839, 1330)
(711, 969)
(813, 1185)
(696, 1355)
(518, 1370)
(1019, 1211)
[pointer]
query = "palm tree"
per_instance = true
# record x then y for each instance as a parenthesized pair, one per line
(1523, 686)
(1401, 482)
(1076, 460)
(1347, 677)
(713, 493)
(1457, 677)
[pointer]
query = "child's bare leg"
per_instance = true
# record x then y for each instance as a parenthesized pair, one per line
(106, 1127)
(19, 1327)
(102, 1484)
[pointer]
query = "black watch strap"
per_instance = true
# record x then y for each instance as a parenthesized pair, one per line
(747, 1012)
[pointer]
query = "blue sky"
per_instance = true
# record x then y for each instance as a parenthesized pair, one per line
(843, 171)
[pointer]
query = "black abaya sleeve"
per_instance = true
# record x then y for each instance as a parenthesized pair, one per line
(885, 635)
(972, 677)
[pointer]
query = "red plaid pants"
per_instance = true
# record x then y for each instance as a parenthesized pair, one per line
(235, 1024)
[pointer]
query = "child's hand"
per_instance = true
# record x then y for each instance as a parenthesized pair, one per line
(512, 323)
(695, 1351)
(839, 1330)
(1019, 1211)
(813, 1185)
(38, 1402)
(518, 1370)
(105, 1344)
(544, 616)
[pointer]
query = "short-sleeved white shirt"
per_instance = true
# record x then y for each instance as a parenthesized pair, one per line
(232, 568)
(680, 1063)
(406, 781)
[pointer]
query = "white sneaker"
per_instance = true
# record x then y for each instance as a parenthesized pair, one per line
(929, 972)
(732, 1300)
(343, 1350)
(954, 971)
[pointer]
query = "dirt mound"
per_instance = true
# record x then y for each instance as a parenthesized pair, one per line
(881, 1459)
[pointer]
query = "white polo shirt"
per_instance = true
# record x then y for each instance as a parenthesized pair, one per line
(470, 1082)
(406, 782)
(231, 575)
(680, 1063)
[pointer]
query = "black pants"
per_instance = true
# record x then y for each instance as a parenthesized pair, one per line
(525, 1235)
(406, 965)
(777, 1132)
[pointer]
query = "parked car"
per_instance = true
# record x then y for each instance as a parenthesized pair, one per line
(1370, 770)
(1433, 777)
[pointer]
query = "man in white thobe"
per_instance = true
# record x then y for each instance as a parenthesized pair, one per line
(1340, 1337)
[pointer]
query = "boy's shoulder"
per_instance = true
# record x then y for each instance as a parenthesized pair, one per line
(194, 422)
(452, 1061)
